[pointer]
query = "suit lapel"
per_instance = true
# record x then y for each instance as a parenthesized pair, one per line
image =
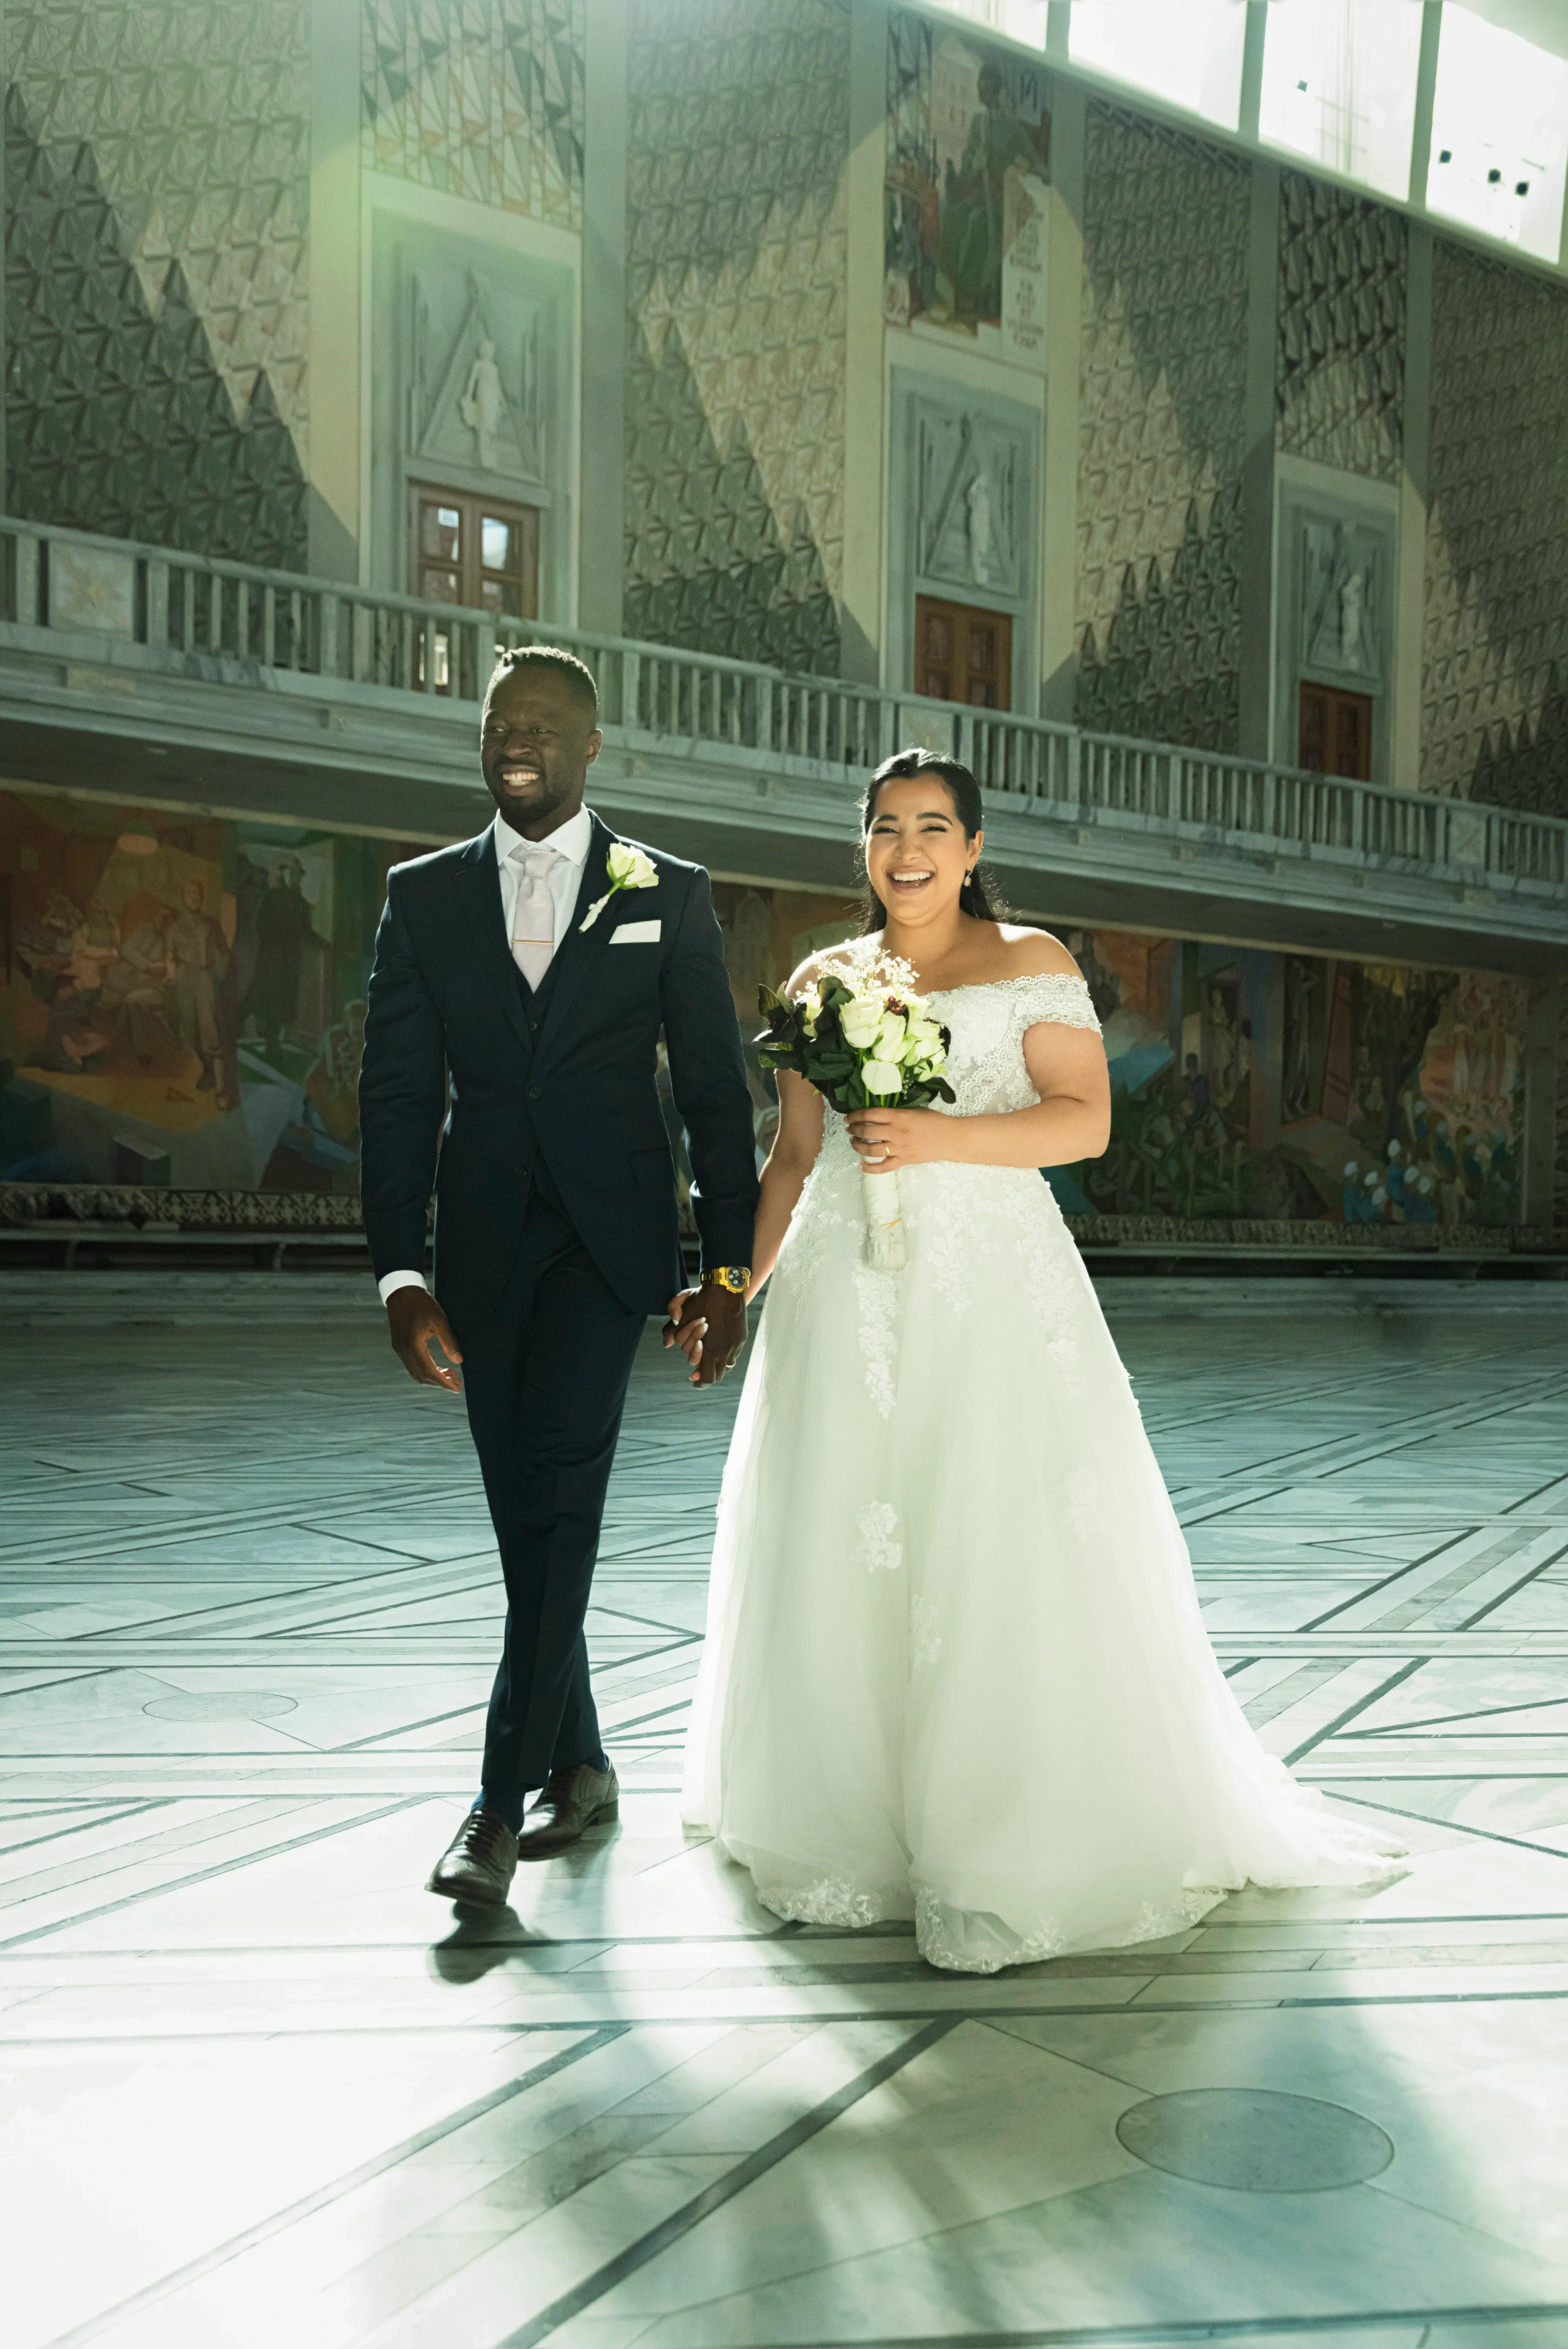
(480, 891)
(580, 948)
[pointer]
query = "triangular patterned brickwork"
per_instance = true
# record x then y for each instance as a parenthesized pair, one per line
(1339, 383)
(483, 99)
(1161, 424)
(118, 420)
(197, 112)
(1495, 645)
(736, 261)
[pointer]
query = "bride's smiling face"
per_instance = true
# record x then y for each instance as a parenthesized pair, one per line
(917, 857)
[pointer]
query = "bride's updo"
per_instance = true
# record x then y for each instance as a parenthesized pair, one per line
(974, 897)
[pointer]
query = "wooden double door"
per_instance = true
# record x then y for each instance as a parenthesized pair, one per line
(1335, 733)
(963, 653)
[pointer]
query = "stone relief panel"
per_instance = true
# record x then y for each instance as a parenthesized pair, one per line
(1162, 433)
(191, 121)
(735, 285)
(119, 416)
(1494, 717)
(1339, 379)
(1335, 603)
(483, 98)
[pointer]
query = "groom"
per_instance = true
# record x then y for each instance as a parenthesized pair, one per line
(520, 984)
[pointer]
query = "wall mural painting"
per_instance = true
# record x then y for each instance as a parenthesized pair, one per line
(1247, 1083)
(183, 998)
(969, 145)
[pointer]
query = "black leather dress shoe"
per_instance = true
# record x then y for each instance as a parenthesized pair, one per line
(479, 1863)
(575, 1799)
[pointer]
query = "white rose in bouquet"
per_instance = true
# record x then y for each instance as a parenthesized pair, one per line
(861, 1019)
(883, 1078)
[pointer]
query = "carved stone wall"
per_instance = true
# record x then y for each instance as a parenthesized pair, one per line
(736, 261)
(1339, 382)
(1162, 433)
(157, 195)
(481, 98)
(1494, 718)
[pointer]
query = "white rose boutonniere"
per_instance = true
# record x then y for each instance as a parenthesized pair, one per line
(629, 869)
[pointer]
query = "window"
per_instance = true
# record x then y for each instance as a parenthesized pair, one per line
(1335, 736)
(1188, 55)
(962, 654)
(1499, 133)
(473, 551)
(1339, 86)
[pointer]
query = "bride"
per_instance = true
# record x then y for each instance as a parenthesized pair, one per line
(955, 1669)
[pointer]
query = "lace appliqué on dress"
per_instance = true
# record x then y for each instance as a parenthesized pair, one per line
(925, 1646)
(877, 1298)
(878, 1548)
(1084, 1511)
(832, 1901)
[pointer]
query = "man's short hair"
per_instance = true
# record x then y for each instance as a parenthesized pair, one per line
(524, 657)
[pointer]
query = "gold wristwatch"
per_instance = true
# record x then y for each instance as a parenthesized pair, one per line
(735, 1278)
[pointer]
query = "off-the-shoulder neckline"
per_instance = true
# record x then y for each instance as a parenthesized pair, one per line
(1023, 978)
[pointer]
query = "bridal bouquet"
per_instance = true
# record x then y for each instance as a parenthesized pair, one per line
(865, 1042)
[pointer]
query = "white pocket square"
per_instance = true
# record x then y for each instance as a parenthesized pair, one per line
(637, 934)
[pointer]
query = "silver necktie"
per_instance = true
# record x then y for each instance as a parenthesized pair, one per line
(534, 914)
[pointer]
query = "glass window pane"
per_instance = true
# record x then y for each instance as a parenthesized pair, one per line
(502, 595)
(437, 585)
(1020, 20)
(441, 531)
(1499, 133)
(1189, 54)
(496, 551)
(1339, 86)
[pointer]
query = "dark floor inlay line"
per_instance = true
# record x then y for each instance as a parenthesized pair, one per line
(379, 2164)
(723, 2189)
(1216, 2328)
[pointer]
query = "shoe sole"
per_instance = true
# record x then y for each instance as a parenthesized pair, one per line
(469, 1898)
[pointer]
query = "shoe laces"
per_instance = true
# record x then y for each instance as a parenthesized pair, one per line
(481, 1834)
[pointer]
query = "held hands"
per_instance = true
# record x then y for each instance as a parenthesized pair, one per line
(414, 1322)
(709, 1325)
(887, 1138)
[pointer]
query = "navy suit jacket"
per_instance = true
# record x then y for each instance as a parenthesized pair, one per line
(569, 1079)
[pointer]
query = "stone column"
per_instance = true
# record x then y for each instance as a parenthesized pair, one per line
(860, 615)
(334, 535)
(1063, 358)
(1257, 649)
(601, 565)
(1544, 1075)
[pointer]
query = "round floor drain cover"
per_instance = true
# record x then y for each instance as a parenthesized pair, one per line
(1254, 2140)
(248, 1704)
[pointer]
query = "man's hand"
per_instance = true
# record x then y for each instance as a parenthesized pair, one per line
(709, 1325)
(414, 1322)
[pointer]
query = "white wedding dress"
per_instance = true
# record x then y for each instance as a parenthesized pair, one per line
(955, 1668)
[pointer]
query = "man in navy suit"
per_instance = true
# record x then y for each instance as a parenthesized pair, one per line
(520, 984)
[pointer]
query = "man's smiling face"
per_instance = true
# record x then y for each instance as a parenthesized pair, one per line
(537, 744)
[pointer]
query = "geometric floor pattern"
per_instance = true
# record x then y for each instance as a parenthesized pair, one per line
(261, 2089)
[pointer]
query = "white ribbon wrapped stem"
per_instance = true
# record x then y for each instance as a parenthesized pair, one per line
(884, 1219)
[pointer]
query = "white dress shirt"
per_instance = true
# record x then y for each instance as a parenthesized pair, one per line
(571, 841)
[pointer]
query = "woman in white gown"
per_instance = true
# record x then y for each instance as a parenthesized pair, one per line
(955, 1669)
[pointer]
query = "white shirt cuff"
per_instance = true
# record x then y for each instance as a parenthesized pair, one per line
(390, 1280)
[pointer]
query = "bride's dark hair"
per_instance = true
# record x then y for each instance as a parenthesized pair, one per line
(975, 897)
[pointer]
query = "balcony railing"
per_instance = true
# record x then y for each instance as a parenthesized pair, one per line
(219, 618)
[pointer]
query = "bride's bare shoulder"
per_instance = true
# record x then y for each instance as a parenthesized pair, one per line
(1034, 954)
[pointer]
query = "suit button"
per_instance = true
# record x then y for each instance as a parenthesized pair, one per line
(533, 1093)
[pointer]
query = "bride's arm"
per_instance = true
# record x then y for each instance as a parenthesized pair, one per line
(1071, 1120)
(790, 1160)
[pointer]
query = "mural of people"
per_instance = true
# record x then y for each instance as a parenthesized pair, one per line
(198, 954)
(284, 928)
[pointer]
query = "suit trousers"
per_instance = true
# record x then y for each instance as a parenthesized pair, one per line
(544, 1377)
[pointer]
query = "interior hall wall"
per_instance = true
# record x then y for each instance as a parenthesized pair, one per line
(157, 196)
(736, 264)
(1162, 432)
(1495, 648)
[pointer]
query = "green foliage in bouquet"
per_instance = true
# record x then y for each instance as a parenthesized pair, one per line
(871, 1050)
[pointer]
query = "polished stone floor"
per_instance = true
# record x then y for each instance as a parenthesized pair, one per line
(261, 2090)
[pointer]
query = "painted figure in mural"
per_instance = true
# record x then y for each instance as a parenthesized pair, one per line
(483, 404)
(973, 214)
(284, 928)
(533, 967)
(1295, 1091)
(198, 953)
(131, 1005)
(955, 1670)
(332, 1086)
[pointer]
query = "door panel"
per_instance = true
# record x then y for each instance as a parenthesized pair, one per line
(963, 652)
